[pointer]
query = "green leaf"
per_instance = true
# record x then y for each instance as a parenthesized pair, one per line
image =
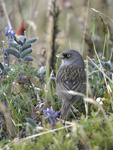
(22, 38)
(1, 66)
(108, 33)
(93, 27)
(109, 74)
(13, 52)
(90, 80)
(1, 72)
(6, 70)
(95, 80)
(40, 75)
(100, 74)
(26, 46)
(31, 122)
(111, 70)
(25, 52)
(95, 68)
(37, 75)
(19, 42)
(104, 25)
(107, 65)
(53, 79)
(28, 58)
(14, 111)
(57, 65)
(94, 114)
(102, 59)
(90, 68)
(91, 64)
(32, 40)
(16, 46)
(30, 129)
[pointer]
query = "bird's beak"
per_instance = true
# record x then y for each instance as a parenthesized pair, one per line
(60, 55)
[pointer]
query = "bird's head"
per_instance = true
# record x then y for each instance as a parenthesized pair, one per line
(71, 57)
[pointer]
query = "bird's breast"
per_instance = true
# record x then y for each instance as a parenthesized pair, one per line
(69, 73)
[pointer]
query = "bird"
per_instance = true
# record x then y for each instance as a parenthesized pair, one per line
(71, 76)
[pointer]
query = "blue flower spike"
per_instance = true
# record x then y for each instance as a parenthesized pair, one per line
(51, 115)
(7, 29)
(9, 33)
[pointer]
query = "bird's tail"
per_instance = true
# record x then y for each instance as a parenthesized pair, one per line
(65, 109)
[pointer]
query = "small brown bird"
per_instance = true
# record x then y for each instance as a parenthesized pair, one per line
(71, 76)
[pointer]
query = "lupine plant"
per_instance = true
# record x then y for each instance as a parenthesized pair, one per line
(17, 76)
(51, 115)
(96, 77)
(22, 46)
(10, 34)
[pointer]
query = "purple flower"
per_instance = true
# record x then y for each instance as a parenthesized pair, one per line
(9, 33)
(51, 115)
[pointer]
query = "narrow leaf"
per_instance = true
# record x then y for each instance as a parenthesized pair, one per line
(107, 65)
(19, 42)
(16, 46)
(14, 111)
(1, 66)
(91, 64)
(28, 58)
(6, 70)
(40, 75)
(26, 46)
(109, 74)
(25, 52)
(31, 122)
(32, 40)
(100, 75)
(53, 79)
(13, 52)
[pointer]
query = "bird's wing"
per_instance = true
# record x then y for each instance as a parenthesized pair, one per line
(70, 78)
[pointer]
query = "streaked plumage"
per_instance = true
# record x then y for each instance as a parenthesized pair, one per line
(70, 76)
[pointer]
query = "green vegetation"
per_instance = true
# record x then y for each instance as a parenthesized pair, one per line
(29, 106)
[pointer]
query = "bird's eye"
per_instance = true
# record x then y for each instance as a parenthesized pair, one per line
(68, 55)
